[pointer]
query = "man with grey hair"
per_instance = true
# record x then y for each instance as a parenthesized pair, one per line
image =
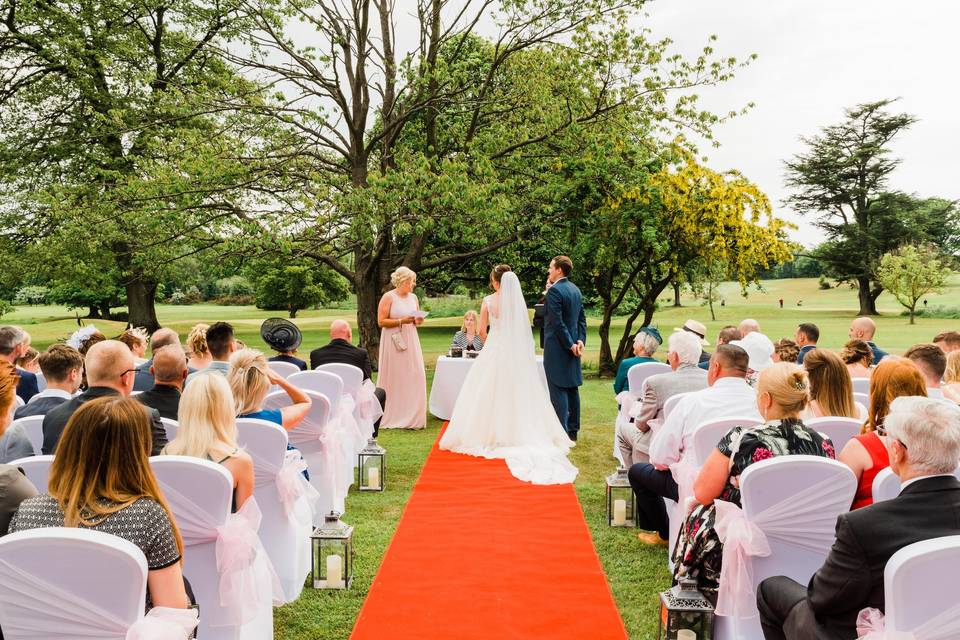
(633, 437)
(923, 444)
(14, 342)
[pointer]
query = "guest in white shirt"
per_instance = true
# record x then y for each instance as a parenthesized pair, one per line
(62, 367)
(932, 362)
(728, 395)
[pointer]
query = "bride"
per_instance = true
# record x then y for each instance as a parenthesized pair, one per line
(504, 410)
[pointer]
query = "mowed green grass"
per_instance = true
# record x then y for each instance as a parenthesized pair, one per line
(635, 573)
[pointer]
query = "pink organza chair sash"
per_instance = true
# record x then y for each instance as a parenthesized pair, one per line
(684, 474)
(741, 539)
(164, 623)
(943, 626)
(368, 408)
(291, 485)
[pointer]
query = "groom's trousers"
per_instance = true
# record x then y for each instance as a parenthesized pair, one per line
(566, 402)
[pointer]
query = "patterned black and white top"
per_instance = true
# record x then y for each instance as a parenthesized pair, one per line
(144, 523)
(460, 342)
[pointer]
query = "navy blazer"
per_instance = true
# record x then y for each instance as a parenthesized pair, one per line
(564, 324)
(27, 387)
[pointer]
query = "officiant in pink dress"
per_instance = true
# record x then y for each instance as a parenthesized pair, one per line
(402, 373)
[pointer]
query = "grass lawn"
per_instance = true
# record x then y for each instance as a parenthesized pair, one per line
(635, 573)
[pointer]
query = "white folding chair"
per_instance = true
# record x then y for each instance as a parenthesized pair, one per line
(329, 384)
(37, 470)
(351, 376)
(286, 538)
(170, 426)
(33, 425)
(862, 398)
(707, 434)
(41, 381)
(795, 501)
(919, 588)
(638, 373)
(840, 430)
(284, 369)
(861, 385)
(199, 493)
(61, 584)
(17, 403)
(886, 485)
(671, 402)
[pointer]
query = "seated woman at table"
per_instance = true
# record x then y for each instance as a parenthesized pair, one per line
(645, 344)
(783, 392)
(468, 338)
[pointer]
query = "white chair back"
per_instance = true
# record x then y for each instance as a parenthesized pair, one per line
(33, 425)
(886, 485)
(351, 376)
(170, 426)
(638, 373)
(61, 584)
(286, 542)
(41, 381)
(136, 393)
(37, 470)
(284, 369)
(17, 403)
(918, 586)
(840, 430)
(707, 434)
(861, 385)
(671, 402)
(329, 384)
(862, 398)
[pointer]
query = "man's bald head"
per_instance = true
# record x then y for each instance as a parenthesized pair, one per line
(863, 328)
(163, 337)
(340, 330)
(748, 326)
(110, 364)
(169, 364)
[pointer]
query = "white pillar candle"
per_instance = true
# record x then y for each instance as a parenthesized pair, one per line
(619, 512)
(373, 478)
(334, 572)
(686, 634)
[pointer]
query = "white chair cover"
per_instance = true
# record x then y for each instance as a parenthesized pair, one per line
(33, 425)
(638, 373)
(861, 385)
(786, 527)
(226, 564)
(37, 470)
(672, 402)
(41, 381)
(862, 398)
(625, 401)
(840, 430)
(886, 485)
(286, 499)
(921, 601)
(170, 426)
(708, 433)
(58, 583)
(284, 369)
(17, 403)
(367, 407)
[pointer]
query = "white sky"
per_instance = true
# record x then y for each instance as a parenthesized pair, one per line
(817, 57)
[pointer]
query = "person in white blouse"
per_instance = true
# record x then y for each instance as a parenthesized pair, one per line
(728, 395)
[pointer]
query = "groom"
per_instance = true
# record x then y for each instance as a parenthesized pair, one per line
(564, 334)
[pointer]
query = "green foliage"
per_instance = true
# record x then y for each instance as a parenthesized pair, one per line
(287, 285)
(234, 286)
(98, 295)
(911, 272)
(823, 284)
(33, 294)
(6, 307)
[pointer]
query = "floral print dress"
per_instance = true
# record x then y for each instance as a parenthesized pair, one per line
(699, 552)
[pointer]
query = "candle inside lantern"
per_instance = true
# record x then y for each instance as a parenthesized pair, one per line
(686, 634)
(373, 478)
(619, 512)
(334, 572)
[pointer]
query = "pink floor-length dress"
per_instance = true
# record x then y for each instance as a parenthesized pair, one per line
(402, 373)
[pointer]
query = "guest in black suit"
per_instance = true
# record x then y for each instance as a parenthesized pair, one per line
(62, 367)
(110, 372)
(169, 370)
(162, 337)
(14, 342)
(341, 350)
(923, 442)
(284, 337)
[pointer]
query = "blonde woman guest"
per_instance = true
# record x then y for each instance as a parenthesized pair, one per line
(250, 379)
(29, 361)
(208, 429)
(136, 341)
(951, 377)
(831, 388)
(200, 357)
(858, 357)
(867, 454)
(402, 373)
(468, 337)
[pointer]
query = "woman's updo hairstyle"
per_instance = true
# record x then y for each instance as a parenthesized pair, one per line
(497, 274)
(856, 351)
(787, 384)
(401, 275)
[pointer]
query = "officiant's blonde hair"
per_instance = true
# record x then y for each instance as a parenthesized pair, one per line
(401, 275)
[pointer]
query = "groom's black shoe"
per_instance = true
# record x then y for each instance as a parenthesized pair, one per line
(572, 436)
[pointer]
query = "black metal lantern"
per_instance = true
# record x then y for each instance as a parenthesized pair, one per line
(332, 554)
(371, 467)
(621, 503)
(685, 613)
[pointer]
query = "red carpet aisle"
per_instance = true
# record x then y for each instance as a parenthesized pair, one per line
(479, 554)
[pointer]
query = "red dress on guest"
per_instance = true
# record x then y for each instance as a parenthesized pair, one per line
(880, 461)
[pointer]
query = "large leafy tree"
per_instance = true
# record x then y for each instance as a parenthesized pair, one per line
(911, 272)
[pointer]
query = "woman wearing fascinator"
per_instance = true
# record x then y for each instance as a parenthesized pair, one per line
(284, 337)
(81, 340)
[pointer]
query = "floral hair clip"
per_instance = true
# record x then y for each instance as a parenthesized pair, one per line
(800, 385)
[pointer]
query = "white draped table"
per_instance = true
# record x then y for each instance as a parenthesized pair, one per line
(448, 379)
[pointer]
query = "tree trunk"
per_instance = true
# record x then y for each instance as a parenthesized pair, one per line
(292, 311)
(713, 316)
(94, 312)
(141, 309)
(608, 364)
(868, 302)
(676, 294)
(105, 311)
(368, 299)
(913, 312)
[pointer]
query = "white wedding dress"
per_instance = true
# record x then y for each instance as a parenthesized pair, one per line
(504, 410)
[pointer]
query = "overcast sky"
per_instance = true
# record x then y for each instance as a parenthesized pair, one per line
(816, 58)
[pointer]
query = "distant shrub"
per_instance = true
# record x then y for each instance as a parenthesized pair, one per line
(939, 311)
(824, 285)
(235, 301)
(178, 297)
(235, 286)
(33, 294)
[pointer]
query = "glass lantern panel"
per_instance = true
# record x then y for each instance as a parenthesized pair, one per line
(325, 549)
(371, 472)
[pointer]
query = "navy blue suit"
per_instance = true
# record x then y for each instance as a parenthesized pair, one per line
(27, 387)
(564, 325)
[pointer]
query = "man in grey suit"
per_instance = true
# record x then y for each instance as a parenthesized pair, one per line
(634, 437)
